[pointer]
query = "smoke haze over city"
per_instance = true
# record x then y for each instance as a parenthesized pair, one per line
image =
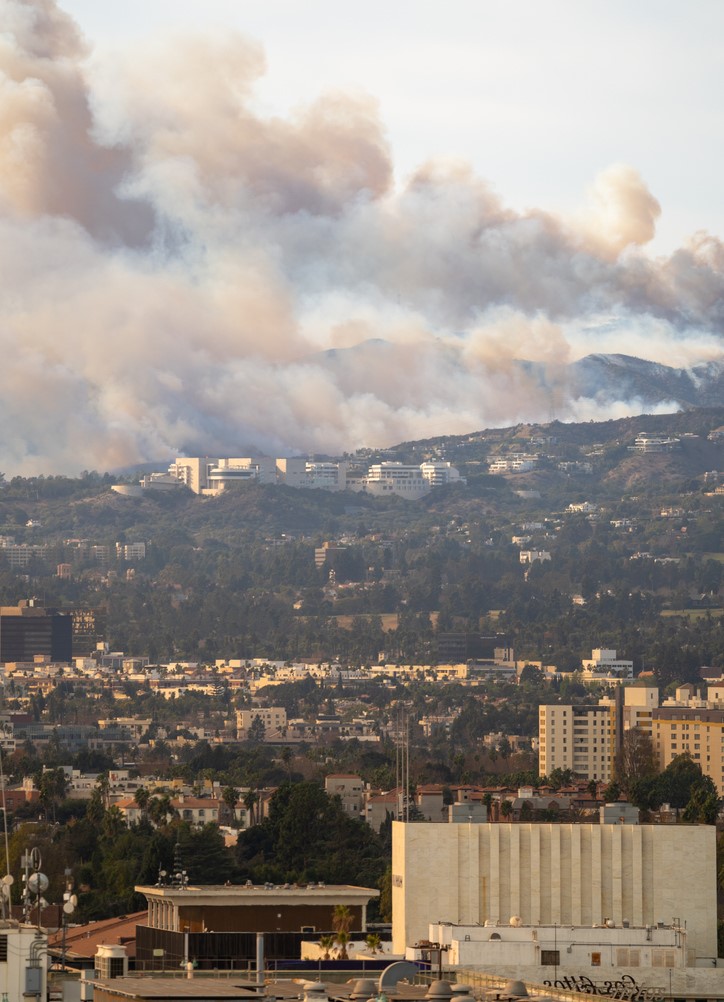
(177, 265)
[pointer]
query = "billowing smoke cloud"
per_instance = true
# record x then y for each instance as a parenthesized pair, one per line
(180, 273)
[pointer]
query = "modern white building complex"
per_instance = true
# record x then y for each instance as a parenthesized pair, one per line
(395, 478)
(439, 473)
(211, 475)
(580, 875)
(603, 664)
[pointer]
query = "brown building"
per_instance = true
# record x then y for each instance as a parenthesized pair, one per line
(216, 925)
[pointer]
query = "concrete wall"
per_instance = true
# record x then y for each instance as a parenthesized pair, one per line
(551, 873)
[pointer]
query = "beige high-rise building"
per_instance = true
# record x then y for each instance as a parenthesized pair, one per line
(579, 738)
(546, 874)
(694, 731)
(586, 738)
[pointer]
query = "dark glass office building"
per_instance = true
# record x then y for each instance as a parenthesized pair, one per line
(29, 630)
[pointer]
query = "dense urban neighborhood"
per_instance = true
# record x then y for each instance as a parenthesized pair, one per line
(250, 687)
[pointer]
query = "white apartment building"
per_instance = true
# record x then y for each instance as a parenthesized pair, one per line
(579, 738)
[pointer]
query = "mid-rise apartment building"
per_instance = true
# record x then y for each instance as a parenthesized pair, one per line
(694, 731)
(579, 738)
(586, 738)
(273, 718)
(349, 787)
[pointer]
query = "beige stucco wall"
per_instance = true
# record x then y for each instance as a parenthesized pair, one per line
(553, 873)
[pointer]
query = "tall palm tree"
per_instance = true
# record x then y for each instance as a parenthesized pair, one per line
(342, 919)
(230, 797)
(342, 938)
(251, 799)
(142, 797)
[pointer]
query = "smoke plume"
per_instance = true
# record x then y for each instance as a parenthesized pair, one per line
(183, 274)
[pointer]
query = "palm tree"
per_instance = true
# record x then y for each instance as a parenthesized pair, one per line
(230, 796)
(251, 798)
(326, 943)
(142, 797)
(374, 943)
(342, 919)
(342, 938)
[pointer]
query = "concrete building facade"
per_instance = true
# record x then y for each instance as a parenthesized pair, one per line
(546, 874)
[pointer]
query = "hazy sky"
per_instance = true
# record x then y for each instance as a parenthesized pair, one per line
(309, 227)
(538, 95)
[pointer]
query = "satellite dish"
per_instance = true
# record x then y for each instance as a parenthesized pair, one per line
(8, 880)
(38, 883)
(73, 899)
(69, 907)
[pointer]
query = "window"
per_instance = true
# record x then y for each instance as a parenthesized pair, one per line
(627, 958)
(595, 960)
(663, 958)
(3, 949)
(550, 958)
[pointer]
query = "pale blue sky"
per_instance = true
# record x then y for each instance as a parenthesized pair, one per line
(538, 96)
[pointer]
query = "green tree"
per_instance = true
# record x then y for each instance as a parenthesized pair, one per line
(703, 804)
(635, 760)
(257, 731)
(207, 859)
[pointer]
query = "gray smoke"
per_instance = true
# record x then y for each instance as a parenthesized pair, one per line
(176, 266)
